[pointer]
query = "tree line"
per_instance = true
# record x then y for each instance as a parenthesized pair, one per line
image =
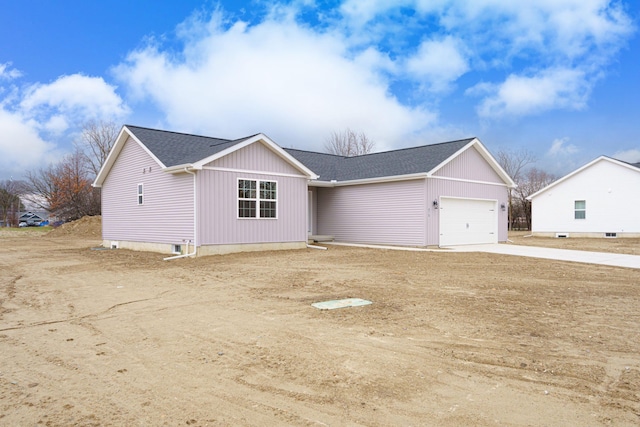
(64, 188)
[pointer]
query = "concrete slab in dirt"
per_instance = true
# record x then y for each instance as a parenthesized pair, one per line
(340, 303)
(602, 258)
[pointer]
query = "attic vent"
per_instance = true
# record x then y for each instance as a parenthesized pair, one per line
(562, 235)
(611, 235)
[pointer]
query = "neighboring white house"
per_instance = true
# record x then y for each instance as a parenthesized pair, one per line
(600, 199)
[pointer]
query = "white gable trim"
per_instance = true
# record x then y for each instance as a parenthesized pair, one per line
(473, 181)
(577, 171)
(122, 138)
(475, 142)
(248, 171)
(334, 183)
(262, 138)
(394, 178)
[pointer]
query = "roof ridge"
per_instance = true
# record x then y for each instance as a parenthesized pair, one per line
(191, 134)
(416, 146)
(317, 152)
(387, 151)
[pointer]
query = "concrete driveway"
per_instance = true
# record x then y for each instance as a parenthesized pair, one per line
(602, 258)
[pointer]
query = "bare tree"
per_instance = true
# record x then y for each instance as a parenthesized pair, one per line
(349, 143)
(95, 142)
(532, 181)
(514, 164)
(10, 203)
(64, 189)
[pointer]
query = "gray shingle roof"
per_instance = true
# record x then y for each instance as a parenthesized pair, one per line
(173, 148)
(388, 163)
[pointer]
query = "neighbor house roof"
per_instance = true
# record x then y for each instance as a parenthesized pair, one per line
(632, 166)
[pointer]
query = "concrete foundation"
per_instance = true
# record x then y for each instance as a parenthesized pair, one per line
(166, 248)
(573, 234)
(249, 247)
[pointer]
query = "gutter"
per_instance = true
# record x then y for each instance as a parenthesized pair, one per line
(393, 178)
(195, 223)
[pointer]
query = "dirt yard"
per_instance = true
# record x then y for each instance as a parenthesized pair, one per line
(119, 338)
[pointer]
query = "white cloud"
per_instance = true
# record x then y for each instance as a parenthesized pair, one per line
(524, 95)
(561, 147)
(79, 96)
(31, 119)
(570, 41)
(21, 146)
(8, 73)
(438, 63)
(631, 156)
(281, 78)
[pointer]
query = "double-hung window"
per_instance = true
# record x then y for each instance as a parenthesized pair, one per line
(580, 209)
(257, 198)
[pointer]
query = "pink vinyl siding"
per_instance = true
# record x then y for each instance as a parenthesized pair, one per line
(470, 165)
(256, 157)
(384, 213)
(218, 199)
(166, 213)
(449, 188)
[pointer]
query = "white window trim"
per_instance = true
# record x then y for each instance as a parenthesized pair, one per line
(257, 199)
(140, 189)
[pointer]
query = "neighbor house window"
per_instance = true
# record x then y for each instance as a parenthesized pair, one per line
(257, 199)
(580, 209)
(140, 194)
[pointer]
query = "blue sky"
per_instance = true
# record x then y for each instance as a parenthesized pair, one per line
(559, 78)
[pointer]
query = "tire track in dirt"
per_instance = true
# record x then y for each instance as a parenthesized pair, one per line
(77, 318)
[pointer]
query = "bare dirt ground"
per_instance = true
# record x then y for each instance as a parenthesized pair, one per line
(121, 338)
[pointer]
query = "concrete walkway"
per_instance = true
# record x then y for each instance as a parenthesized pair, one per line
(602, 258)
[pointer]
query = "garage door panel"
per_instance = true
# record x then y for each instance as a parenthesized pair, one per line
(467, 221)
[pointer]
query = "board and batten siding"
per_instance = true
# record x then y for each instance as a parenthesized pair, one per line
(384, 213)
(218, 221)
(469, 165)
(472, 190)
(166, 215)
(256, 157)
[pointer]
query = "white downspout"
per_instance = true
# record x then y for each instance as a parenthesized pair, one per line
(195, 223)
(316, 247)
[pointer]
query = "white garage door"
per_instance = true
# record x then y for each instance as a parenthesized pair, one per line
(468, 221)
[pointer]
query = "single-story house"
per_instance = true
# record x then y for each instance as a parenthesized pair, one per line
(600, 199)
(173, 192)
(31, 218)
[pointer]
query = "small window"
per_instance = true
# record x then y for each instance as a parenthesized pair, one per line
(140, 194)
(177, 249)
(257, 199)
(580, 209)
